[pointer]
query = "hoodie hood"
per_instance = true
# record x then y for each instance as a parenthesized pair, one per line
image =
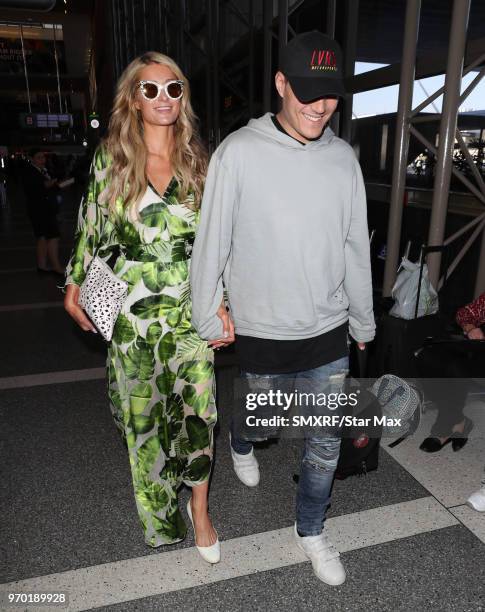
(265, 128)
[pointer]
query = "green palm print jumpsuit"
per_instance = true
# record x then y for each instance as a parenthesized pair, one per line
(160, 373)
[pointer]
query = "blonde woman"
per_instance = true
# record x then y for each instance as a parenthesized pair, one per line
(143, 197)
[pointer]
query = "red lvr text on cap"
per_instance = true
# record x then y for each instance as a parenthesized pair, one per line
(323, 58)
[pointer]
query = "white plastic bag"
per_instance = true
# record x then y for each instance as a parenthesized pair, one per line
(405, 292)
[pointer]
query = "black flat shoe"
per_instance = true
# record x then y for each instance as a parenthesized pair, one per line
(459, 440)
(433, 445)
(43, 271)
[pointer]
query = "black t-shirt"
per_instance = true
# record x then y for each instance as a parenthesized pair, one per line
(279, 127)
(266, 356)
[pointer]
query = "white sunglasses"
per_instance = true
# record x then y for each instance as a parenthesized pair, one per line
(151, 90)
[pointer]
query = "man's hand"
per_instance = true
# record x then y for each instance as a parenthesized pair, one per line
(71, 304)
(227, 326)
(361, 346)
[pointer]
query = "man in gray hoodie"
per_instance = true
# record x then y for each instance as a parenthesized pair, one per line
(284, 228)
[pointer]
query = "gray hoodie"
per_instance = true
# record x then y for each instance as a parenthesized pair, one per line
(285, 227)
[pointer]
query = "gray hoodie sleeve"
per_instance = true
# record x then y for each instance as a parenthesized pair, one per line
(358, 277)
(211, 250)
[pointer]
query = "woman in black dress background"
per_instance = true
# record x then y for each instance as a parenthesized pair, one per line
(41, 195)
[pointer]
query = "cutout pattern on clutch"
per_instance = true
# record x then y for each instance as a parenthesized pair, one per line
(102, 295)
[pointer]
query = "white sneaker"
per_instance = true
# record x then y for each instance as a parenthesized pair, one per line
(245, 466)
(477, 500)
(324, 557)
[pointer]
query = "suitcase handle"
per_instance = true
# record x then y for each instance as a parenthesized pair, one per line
(425, 250)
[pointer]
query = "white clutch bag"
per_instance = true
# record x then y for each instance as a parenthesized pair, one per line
(102, 295)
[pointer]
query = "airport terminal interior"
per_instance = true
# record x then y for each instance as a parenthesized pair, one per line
(407, 537)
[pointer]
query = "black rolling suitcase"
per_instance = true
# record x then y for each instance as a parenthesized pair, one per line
(398, 339)
(400, 403)
(359, 449)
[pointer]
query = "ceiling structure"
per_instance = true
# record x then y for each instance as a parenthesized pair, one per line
(379, 36)
(381, 28)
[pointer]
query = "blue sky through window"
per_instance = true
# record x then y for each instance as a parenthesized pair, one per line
(384, 100)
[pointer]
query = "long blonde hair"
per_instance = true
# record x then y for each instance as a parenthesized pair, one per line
(126, 147)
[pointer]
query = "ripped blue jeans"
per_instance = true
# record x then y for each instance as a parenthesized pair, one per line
(320, 454)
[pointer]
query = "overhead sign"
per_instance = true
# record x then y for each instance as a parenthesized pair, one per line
(39, 55)
(45, 120)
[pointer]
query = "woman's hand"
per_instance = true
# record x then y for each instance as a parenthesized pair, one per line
(475, 334)
(71, 304)
(227, 326)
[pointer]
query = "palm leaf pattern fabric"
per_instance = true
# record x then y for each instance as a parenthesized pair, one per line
(160, 373)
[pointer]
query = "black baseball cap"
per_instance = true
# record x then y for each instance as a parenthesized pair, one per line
(312, 62)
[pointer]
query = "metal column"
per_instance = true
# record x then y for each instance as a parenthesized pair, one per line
(267, 47)
(251, 58)
(216, 102)
(25, 69)
(282, 26)
(209, 76)
(56, 59)
(181, 51)
(115, 39)
(401, 147)
(282, 33)
(166, 37)
(330, 17)
(330, 20)
(451, 101)
(480, 280)
(350, 50)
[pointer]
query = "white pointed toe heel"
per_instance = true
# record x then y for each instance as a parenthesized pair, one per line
(211, 554)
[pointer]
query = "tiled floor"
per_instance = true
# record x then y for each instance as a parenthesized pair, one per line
(69, 520)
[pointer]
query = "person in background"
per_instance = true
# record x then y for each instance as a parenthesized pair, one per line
(42, 207)
(471, 318)
(453, 361)
(477, 499)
